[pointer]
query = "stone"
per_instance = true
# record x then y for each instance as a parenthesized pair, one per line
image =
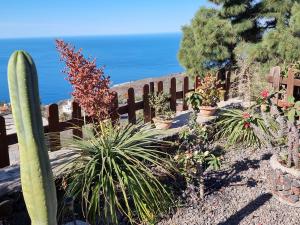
(286, 183)
(293, 198)
(279, 188)
(296, 183)
(295, 190)
(284, 193)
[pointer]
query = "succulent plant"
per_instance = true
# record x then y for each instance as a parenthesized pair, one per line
(36, 174)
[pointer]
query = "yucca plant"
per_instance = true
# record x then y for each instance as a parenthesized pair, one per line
(113, 174)
(236, 126)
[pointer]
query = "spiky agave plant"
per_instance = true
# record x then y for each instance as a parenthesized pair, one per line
(113, 174)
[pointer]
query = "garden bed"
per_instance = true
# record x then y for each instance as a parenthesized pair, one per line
(240, 193)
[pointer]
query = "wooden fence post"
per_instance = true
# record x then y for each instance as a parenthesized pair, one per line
(160, 87)
(290, 84)
(53, 121)
(276, 81)
(152, 90)
(147, 110)
(4, 154)
(131, 106)
(227, 84)
(197, 81)
(114, 115)
(173, 94)
(185, 90)
(76, 117)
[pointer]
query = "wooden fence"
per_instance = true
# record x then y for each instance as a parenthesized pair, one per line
(291, 84)
(56, 126)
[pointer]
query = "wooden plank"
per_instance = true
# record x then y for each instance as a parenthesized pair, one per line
(114, 115)
(185, 90)
(276, 81)
(77, 119)
(152, 90)
(197, 81)
(290, 83)
(131, 106)
(53, 125)
(160, 87)
(227, 84)
(147, 109)
(4, 154)
(173, 94)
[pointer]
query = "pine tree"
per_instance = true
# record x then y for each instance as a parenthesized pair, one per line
(207, 43)
(243, 15)
(282, 43)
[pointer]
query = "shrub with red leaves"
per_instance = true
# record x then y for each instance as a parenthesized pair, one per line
(90, 85)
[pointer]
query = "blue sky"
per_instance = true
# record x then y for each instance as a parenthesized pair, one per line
(41, 18)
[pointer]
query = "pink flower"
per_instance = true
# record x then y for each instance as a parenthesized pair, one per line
(246, 116)
(264, 94)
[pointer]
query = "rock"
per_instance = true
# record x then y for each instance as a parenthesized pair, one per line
(279, 187)
(296, 183)
(293, 198)
(295, 190)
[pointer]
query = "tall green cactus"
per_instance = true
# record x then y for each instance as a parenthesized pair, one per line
(36, 174)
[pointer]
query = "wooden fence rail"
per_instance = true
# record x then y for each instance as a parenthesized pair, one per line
(55, 126)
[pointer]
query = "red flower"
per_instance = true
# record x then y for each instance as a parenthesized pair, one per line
(246, 125)
(264, 94)
(246, 116)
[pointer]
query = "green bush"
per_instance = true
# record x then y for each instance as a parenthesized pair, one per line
(113, 174)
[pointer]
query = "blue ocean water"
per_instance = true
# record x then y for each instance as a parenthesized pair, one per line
(126, 58)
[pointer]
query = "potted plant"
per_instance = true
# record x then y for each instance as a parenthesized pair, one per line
(163, 114)
(206, 96)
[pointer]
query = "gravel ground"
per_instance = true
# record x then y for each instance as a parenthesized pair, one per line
(238, 194)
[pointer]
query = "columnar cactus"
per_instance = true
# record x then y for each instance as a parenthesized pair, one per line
(36, 174)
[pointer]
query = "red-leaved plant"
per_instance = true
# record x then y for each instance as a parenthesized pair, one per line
(90, 84)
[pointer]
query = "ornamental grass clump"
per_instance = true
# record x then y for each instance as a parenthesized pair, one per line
(113, 174)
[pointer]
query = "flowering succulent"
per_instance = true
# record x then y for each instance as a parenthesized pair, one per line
(247, 120)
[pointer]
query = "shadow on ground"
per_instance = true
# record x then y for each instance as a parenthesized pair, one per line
(247, 210)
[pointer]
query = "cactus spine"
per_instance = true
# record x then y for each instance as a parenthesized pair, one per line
(36, 174)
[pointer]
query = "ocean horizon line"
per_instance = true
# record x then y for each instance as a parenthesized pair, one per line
(89, 36)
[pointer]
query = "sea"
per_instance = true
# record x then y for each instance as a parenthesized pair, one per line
(125, 58)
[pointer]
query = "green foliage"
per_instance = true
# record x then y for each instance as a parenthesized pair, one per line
(113, 174)
(36, 175)
(237, 127)
(241, 14)
(194, 150)
(265, 31)
(206, 43)
(160, 103)
(292, 109)
(194, 99)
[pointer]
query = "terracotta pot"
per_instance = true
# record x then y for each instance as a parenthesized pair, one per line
(207, 111)
(161, 123)
(285, 183)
